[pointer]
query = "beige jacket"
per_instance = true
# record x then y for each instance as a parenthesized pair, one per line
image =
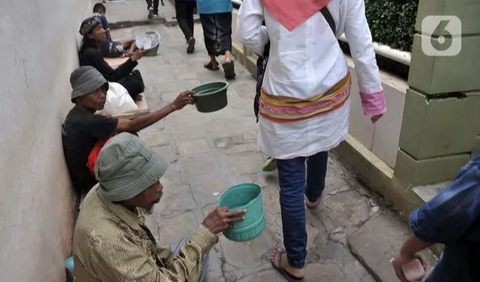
(112, 244)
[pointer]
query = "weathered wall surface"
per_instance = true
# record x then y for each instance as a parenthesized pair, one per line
(39, 51)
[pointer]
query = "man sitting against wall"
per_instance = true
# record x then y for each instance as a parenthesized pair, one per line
(90, 55)
(83, 130)
(110, 48)
(111, 241)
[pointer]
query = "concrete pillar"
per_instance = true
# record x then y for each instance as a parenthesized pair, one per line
(441, 120)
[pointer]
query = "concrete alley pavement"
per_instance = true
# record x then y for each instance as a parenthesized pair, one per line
(352, 235)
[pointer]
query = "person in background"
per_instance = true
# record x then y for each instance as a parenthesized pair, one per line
(83, 129)
(216, 19)
(184, 10)
(451, 218)
(93, 37)
(152, 6)
(110, 48)
(305, 100)
(111, 241)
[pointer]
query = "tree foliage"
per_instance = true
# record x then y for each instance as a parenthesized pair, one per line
(392, 22)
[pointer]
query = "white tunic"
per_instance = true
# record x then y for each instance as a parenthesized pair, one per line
(307, 61)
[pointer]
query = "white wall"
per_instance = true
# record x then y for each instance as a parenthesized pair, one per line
(39, 41)
(382, 138)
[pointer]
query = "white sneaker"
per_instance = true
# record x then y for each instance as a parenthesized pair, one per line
(150, 13)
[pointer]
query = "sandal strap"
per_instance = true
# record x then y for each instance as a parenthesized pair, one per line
(280, 251)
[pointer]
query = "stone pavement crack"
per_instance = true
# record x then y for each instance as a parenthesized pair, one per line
(380, 261)
(223, 262)
(330, 238)
(363, 263)
(339, 192)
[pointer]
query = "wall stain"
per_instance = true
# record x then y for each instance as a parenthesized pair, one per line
(25, 72)
(2, 220)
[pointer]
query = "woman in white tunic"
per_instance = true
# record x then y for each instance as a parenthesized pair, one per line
(304, 102)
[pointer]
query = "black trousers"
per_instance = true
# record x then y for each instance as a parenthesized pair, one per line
(217, 31)
(184, 12)
(153, 5)
(260, 72)
(133, 83)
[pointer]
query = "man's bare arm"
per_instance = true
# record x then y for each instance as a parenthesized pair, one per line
(141, 122)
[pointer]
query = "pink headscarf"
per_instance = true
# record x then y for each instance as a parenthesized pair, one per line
(292, 13)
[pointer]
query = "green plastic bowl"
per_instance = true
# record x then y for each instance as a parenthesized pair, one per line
(152, 52)
(248, 197)
(211, 97)
(69, 264)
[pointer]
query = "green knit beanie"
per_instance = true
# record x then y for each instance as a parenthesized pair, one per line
(127, 166)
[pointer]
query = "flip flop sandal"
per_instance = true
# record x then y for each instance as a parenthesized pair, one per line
(209, 66)
(314, 206)
(281, 270)
(269, 165)
(229, 69)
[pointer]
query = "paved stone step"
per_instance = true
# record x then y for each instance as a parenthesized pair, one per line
(428, 192)
(378, 241)
(129, 13)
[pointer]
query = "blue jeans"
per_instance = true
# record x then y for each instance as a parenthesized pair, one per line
(293, 187)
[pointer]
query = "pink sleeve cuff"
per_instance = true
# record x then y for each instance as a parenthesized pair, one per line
(373, 103)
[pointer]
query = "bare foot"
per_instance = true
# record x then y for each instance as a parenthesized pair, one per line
(274, 259)
(228, 57)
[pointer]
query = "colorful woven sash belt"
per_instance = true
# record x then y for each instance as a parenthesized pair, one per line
(287, 109)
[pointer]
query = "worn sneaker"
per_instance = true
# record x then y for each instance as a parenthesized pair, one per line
(150, 13)
(191, 45)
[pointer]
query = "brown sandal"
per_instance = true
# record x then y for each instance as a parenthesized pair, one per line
(281, 270)
(211, 67)
(229, 69)
(312, 205)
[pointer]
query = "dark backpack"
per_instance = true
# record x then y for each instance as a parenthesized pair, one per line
(262, 60)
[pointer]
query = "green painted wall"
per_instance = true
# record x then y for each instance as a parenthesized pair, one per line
(441, 119)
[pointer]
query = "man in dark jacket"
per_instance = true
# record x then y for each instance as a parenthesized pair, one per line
(83, 128)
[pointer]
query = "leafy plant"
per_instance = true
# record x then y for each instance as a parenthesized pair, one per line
(392, 22)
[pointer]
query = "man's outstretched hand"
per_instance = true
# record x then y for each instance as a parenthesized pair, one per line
(138, 54)
(183, 99)
(221, 219)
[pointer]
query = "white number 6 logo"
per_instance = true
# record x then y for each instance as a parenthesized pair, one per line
(441, 36)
